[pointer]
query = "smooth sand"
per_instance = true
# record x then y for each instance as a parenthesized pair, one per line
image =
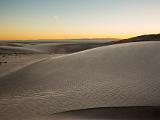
(111, 76)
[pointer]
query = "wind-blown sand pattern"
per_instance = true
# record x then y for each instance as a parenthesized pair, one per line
(111, 76)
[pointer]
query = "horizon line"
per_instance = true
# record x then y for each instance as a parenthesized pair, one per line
(89, 38)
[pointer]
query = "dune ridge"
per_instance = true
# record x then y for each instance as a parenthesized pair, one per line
(111, 76)
(48, 48)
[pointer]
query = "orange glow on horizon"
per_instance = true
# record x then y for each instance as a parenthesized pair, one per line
(24, 36)
(56, 19)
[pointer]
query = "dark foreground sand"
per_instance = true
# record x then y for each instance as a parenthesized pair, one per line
(113, 76)
(123, 113)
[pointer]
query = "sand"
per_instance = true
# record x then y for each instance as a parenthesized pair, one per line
(47, 48)
(125, 113)
(111, 76)
(12, 62)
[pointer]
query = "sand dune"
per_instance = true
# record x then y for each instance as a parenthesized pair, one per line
(66, 48)
(111, 76)
(48, 48)
(13, 62)
(15, 49)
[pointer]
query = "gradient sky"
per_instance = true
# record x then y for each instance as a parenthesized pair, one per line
(47, 19)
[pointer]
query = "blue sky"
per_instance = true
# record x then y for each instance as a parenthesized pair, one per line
(34, 19)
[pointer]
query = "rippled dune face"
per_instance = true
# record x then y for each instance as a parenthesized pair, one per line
(112, 76)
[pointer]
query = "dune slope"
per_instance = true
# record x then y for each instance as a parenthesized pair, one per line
(15, 49)
(111, 76)
(48, 48)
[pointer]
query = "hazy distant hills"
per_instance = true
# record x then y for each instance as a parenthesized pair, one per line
(151, 37)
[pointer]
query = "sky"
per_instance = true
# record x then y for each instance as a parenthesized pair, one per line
(65, 19)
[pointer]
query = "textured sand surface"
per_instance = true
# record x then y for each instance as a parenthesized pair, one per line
(13, 62)
(111, 76)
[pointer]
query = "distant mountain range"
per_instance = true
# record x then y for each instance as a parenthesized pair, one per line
(150, 37)
(85, 39)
